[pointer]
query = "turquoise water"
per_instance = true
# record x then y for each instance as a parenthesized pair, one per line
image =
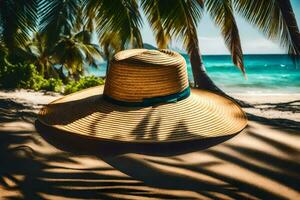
(266, 73)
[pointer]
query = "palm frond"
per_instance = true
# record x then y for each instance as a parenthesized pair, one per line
(68, 54)
(110, 43)
(33, 50)
(79, 21)
(91, 51)
(270, 16)
(180, 19)
(75, 52)
(58, 18)
(18, 21)
(119, 17)
(151, 9)
(90, 11)
(222, 14)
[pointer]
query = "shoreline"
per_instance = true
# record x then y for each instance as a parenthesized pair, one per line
(243, 95)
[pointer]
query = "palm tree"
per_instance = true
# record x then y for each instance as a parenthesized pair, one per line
(37, 52)
(54, 35)
(74, 52)
(57, 20)
(180, 19)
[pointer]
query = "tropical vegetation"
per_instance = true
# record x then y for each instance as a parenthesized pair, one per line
(56, 39)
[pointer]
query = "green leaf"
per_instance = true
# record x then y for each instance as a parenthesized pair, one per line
(270, 16)
(222, 14)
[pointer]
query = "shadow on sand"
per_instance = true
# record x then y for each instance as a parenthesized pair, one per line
(82, 168)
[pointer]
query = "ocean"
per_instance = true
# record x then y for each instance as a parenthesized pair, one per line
(266, 73)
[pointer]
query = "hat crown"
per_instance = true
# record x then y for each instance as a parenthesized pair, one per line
(138, 74)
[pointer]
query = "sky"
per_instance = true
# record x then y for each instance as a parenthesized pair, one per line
(211, 41)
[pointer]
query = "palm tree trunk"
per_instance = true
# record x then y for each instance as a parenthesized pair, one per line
(61, 74)
(42, 66)
(203, 81)
(289, 15)
(107, 67)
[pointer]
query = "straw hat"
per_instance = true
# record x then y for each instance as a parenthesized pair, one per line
(146, 98)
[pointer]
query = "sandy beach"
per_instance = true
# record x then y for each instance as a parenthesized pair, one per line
(261, 162)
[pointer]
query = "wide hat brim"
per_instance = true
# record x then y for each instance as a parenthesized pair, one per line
(200, 116)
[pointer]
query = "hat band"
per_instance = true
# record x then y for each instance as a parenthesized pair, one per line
(171, 98)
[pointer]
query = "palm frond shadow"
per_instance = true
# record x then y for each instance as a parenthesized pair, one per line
(42, 177)
(287, 173)
(291, 106)
(116, 155)
(293, 127)
(278, 145)
(11, 110)
(139, 170)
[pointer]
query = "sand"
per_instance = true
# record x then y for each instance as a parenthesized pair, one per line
(262, 162)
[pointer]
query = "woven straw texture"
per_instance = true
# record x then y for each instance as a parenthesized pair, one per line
(139, 73)
(133, 76)
(201, 115)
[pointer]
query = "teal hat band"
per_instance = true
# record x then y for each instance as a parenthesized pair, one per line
(153, 100)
